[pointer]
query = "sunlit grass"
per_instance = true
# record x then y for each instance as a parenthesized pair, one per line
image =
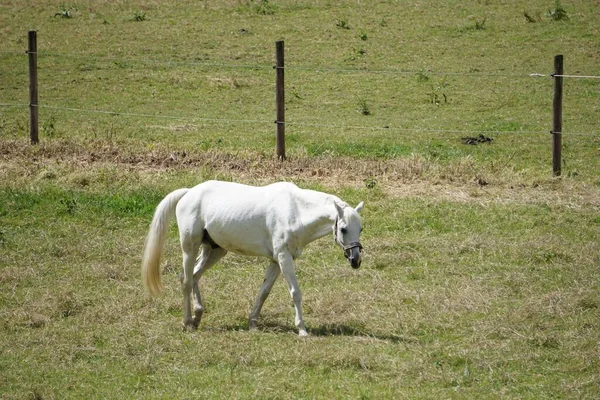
(480, 269)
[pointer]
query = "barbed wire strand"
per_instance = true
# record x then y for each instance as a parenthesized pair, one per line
(293, 123)
(297, 123)
(576, 76)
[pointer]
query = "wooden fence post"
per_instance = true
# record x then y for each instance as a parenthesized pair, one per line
(557, 117)
(33, 88)
(280, 100)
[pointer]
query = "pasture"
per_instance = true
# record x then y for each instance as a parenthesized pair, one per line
(480, 276)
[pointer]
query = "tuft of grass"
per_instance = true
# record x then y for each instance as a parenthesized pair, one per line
(558, 13)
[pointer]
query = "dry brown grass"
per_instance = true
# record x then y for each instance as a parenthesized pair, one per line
(413, 176)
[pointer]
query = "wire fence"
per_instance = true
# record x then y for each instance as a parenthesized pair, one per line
(292, 122)
(307, 68)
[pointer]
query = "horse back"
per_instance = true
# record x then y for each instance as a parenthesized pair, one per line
(243, 219)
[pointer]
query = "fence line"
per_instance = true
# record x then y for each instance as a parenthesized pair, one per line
(293, 123)
(557, 77)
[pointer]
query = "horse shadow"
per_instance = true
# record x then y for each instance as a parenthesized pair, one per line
(326, 330)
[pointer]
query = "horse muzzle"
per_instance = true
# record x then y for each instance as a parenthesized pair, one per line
(352, 252)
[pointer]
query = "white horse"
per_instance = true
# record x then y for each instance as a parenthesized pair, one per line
(275, 221)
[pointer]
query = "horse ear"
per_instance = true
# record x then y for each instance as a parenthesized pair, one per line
(339, 210)
(359, 207)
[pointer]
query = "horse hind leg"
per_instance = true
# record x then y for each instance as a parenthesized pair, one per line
(273, 272)
(207, 259)
(190, 252)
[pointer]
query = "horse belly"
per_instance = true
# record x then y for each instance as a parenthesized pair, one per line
(243, 234)
(243, 244)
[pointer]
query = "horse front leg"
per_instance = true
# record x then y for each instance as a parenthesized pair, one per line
(286, 264)
(273, 272)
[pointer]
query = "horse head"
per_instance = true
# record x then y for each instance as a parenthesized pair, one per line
(346, 232)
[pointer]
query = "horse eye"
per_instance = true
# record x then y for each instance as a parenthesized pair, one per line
(343, 230)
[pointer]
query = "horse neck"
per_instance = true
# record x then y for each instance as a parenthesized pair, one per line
(319, 213)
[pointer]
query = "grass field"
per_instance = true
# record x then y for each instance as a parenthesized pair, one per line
(481, 271)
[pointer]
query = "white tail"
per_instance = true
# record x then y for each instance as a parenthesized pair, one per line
(156, 239)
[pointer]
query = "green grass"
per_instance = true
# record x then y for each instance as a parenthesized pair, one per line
(480, 276)
(462, 299)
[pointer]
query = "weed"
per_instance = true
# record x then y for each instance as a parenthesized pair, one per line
(363, 107)
(262, 7)
(362, 36)
(69, 205)
(437, 95)
(48, 127)
(558, 13)
(139, 16)
(356, 53)
(342, 24)
(65, 12)
(296, 94)
(370, 183)
(480, 25)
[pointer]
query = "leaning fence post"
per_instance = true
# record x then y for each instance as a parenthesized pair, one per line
(557, 118)
(280, 100)
(33, 88)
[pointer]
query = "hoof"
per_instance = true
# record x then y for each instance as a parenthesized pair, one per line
(197, 317)
(252, 326)
(302, 333)
(190, 326)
